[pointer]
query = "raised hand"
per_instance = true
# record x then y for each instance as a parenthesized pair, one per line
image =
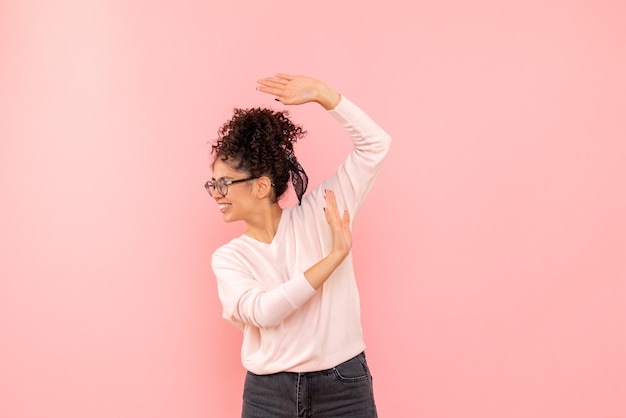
(342, 243)
(339, 225)
(298, 89)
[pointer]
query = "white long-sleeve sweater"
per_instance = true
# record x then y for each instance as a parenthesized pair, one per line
(287, 325)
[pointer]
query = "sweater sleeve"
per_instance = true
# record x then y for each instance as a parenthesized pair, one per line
(356, 176)
(246, 302)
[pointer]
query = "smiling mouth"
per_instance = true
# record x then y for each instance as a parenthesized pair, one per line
(224, 206)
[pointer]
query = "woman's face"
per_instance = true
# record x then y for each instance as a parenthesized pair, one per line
(239, 200)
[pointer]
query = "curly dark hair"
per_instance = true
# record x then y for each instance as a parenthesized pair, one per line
(260, 141)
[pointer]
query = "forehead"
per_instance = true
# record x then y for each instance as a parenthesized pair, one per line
(223, 169)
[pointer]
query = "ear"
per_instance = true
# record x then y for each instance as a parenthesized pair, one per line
(264, 187)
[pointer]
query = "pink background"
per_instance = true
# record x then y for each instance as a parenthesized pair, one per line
(491, 253)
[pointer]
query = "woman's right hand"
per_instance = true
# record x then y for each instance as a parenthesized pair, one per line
(299, 89)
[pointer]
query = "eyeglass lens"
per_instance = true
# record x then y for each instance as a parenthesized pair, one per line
(219, 185)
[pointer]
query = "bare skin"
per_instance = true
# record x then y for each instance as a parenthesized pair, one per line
(294, 90)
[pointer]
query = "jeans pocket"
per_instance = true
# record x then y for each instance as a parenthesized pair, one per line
(353, 370)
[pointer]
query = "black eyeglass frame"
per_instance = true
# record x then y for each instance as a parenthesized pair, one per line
(221, 185)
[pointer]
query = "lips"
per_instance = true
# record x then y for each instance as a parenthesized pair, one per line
(224, 206)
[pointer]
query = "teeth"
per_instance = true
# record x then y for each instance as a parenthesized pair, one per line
(224, 206)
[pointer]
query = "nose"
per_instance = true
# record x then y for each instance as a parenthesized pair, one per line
(217, 196)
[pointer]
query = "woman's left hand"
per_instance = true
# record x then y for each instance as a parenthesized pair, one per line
(298, 89)
(339, 225)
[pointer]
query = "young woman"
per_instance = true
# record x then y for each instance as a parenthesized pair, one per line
(288, 282)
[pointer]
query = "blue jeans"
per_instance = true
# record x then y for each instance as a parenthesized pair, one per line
(343, 391)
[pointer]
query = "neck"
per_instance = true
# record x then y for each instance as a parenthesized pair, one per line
(264, 225)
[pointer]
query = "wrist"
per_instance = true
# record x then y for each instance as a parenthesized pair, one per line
(336, 257)
(328, 98)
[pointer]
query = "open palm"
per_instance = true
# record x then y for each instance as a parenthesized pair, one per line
(339, 225)
(298, 89)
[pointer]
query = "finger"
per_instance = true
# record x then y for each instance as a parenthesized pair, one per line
(278, 92)
(273, 81)
(329, 217)
(346, 218)
(331, 199)
(332, 209)
(332, 218)
(286, 77)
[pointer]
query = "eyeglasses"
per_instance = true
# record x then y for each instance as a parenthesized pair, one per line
(221, 185)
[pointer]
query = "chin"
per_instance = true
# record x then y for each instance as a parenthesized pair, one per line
(228, 219)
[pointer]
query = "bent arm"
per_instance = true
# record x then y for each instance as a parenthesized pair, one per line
(245, 302)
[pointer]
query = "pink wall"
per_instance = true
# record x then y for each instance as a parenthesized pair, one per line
(491, 254)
